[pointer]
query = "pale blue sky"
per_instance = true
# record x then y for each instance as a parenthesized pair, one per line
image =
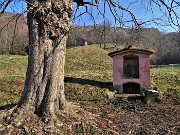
(142, 11)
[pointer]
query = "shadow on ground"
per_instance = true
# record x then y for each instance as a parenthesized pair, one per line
(7, 107)
(82, 81)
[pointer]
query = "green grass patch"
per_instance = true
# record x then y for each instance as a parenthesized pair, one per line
(88, 75)
(88, 71)
(12, 76)
(166, 77)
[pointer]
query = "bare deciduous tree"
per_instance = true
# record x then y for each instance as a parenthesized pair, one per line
(49, 22)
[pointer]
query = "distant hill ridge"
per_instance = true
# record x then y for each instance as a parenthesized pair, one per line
(166, 45)
(6, 17)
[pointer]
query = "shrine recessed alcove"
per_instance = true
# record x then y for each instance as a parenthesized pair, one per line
(131, 66)
(131, 70)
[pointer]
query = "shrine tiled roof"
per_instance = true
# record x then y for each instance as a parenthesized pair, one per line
(131, 49)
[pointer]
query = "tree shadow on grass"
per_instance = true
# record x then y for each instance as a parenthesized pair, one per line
(82, 81)
(7, 107)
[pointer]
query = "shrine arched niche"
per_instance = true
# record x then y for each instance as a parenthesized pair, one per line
(131, 66)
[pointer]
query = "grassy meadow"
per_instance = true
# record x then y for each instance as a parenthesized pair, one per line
(88, 75)
(166, 77)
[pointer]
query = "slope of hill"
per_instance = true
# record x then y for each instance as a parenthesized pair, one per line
(88, 74)
(14, 38)
(85, 67)
(89, 63)
(12, 18)
(88, 58)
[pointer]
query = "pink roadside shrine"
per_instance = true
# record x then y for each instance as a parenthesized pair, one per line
(131, 70)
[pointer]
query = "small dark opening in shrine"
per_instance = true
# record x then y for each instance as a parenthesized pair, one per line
(131, 88)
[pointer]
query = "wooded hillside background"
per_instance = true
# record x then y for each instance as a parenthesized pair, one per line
(14, 38)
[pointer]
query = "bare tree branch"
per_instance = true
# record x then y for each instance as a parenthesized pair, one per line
(4, 5)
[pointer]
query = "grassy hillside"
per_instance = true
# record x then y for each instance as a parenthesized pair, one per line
(88, 75)
(88, 70)
(88, 62)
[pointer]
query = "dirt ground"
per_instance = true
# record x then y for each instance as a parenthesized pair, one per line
(137, 118)
(116, 117)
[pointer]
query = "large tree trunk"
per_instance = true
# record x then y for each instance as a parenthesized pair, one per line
(49, 21)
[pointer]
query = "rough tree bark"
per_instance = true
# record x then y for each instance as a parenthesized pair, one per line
(49, 22)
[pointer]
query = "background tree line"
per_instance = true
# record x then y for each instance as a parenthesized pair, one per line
(13, 34)
(14, 38)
